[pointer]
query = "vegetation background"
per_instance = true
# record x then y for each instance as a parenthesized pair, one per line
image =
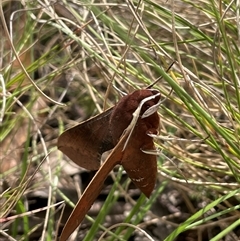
(62, 62)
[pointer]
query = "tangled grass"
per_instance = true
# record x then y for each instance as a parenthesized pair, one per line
(67, 61)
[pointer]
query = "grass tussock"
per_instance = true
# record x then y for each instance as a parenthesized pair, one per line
(64, 62)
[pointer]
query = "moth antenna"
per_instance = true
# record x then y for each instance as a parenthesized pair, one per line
(120, 91)
(169, 67)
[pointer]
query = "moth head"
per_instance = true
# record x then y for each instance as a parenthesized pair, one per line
(150, 104)
(140, 104)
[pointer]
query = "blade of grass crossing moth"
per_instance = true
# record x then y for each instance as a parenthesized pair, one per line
(92, 191)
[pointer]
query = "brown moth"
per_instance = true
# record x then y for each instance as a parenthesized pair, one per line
(124, 127)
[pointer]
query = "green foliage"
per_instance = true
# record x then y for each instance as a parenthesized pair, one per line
(65, 62)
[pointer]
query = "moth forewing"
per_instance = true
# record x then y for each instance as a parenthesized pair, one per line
(84, 143)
